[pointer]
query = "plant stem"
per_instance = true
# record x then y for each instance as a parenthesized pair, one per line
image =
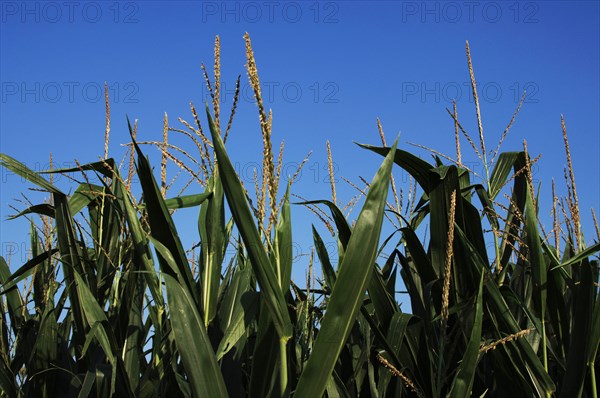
(497, 252)
(283, 376)
(441, 359)
(593, 379)
(545, 350)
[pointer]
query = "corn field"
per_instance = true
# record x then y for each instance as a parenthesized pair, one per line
(112, 304)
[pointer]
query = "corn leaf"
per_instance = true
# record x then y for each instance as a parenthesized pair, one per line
(350, 286)
(190, 335)
(236, 198)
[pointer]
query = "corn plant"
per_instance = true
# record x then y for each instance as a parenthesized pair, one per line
(116, 306)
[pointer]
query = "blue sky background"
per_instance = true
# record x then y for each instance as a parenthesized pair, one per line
(329, 69)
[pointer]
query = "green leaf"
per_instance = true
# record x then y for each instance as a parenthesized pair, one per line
(497, 308)
(505, 163)
(190, 335)
(582, 347)
(384, 304)
(162, 225)
(24, 271)
(415, 166)
(238, 310)
(83, 196)
(211, 225)
(44, 209)
(344, 230)
(71, 258)
(537, 261)
(236, 198)
(579, 256)
(94, 315)
(21, 170)
(184, 201)
(143, 256)
(463, 381)
(283, 244)
(328, 271)
(352, 280)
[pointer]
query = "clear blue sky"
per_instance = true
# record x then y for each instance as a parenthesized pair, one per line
(330, 68)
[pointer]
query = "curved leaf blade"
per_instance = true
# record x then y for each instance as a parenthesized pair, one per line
(352, 280)
(261, 264)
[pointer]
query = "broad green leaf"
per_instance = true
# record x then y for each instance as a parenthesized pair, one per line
(7, 380)
(43, 209)
(211, 225)
(134, 340)
(352, 280)
(190, 335)
(594, 340)
(46, 345)
(595, 248)
(328, 271)
(23, 272)
(415, 166)
(419, 257)
(71, 258)
(236, 198)
(344, 230)
(193, 344)
(14, 300)
(143, 256)
(239, 308)
(184, 201)
(264, 378)
(94, 315)
(106, 167)
(488, 205)
(384, 304)
(20, 169)
(505, 163)
(162, 226)
(463, 381)
(496, 306)
(442, 182)
(83, 195)
(581, 348)
(537, 261)
(283, 244)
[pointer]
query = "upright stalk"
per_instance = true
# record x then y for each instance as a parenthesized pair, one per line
(593, 379)
(283, 376)
(545, 350)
